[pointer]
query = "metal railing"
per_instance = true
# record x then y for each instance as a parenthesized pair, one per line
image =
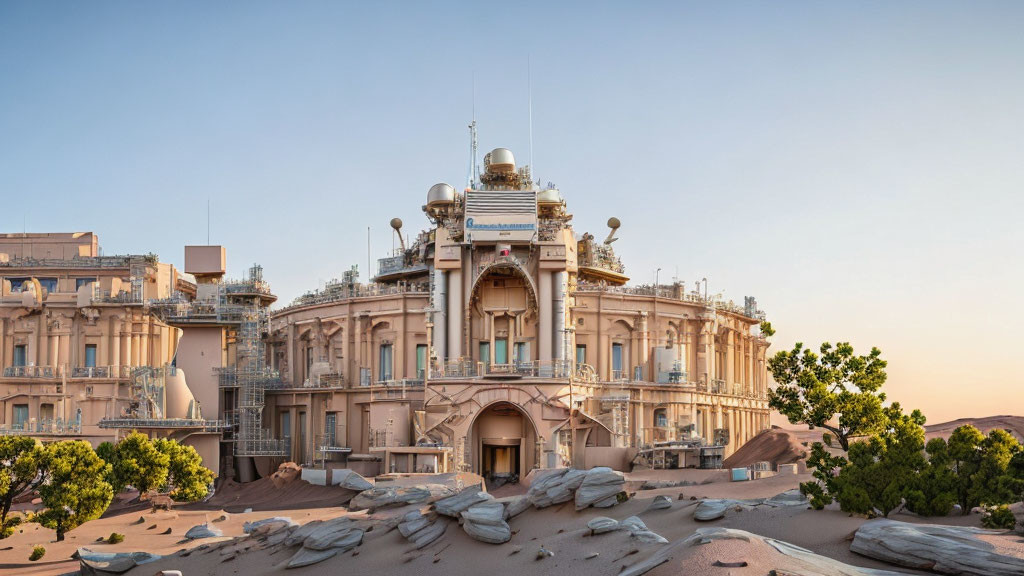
(51, 426)
(187, 423)
(336, 292)
(670, 292)
(30, 372)
(102, 372)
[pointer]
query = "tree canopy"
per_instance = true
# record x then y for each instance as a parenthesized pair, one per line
(837, 390)
(187, 478)
(138, 463)
(22, 468)
(75, 490)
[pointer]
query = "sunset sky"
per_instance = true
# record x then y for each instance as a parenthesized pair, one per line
(857, 168)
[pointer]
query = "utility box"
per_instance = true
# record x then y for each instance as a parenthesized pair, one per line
(205, 260)
(740, 474)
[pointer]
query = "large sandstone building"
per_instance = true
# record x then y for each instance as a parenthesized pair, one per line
(498, 340)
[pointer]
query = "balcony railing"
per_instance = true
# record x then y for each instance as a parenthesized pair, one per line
(669, 292)
(531, 369)
(47, 426)
(30, 372)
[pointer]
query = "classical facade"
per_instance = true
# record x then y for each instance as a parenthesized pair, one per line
(499, 340)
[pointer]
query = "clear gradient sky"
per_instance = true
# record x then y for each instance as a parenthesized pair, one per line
(856, 167)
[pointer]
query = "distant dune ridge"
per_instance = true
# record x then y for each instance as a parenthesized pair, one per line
(783, 446)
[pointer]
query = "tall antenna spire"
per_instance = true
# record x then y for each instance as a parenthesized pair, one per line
(529, 85)
(472, 176)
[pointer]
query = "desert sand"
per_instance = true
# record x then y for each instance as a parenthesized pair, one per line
(559, 529)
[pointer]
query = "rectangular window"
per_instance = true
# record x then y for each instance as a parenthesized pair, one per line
(581, 354)
(501, 351)
(20, 416)
(90, 355)
(331, 429)
(385, 370)
(617, 359)
(421, 360)
(19, 355)
(523, 352)
(79, 282)
(309, 361)
(17, 284)
(485, 352)
(49, 284)
(286, 425)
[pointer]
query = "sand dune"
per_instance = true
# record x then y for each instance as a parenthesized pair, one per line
(1014, 424)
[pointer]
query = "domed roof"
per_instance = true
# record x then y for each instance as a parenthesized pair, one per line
(502, 159)
(440, 195)
(549, 196)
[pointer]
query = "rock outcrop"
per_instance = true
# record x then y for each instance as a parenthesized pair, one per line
(602, 524)
(455, 505)
(638, 530)
(660, 503)
(349, 479)
(104, 563)
(249, 527)
(323, 540)
(486, 522)
(942, 549)
(384, 496)
(203, 531)
(421, 529)
(599, 487)
(715, 508)
(782, 557)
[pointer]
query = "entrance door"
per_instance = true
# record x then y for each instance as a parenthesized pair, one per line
(500, 461)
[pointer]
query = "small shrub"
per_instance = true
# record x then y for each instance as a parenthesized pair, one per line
(999, 517)
(37, 553)
(115, 538)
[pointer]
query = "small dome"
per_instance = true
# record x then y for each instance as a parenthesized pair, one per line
(502, 160)
(440, 195)
(549, 196)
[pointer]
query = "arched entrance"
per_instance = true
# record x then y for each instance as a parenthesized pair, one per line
(504, 440)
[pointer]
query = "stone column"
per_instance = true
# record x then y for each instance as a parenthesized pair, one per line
(455, 314)
(546, 325)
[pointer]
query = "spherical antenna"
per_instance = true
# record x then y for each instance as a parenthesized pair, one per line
(396, 223)
(614, 223)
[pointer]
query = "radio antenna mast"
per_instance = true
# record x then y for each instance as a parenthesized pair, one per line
(472, 176)
(529, 87)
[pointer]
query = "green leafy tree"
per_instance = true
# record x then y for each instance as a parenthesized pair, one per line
(107, 452)
(1015, 470)
(188, 479)
(138, 463)
(991, 484)
(22, 468)
(884, 470)
(826, 468)
(965, 457)
(766, 329)
(836, 390)
(936, 491)
(75, 491)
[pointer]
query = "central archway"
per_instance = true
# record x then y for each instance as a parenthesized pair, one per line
(504, 441)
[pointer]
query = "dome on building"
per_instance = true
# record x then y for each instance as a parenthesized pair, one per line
(440, 195)
(549, 196)
(501, 160)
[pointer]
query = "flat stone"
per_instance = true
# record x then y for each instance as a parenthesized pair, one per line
(429, 534)
(638, 530)
(555, 487)
(306, 557)
(714, 508)
(99, 563)
(602, 524)
(790, 560)
(515, 505)
(936, 547)
(788, 498)
(399, 496)
(302, 532)
(454, 505)
(600, 484)
(248, 527)
(408, 526)
(486, 522)
(349, 479)
(489, 512)
(324, 537)
(203, 531)
(660, 503)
